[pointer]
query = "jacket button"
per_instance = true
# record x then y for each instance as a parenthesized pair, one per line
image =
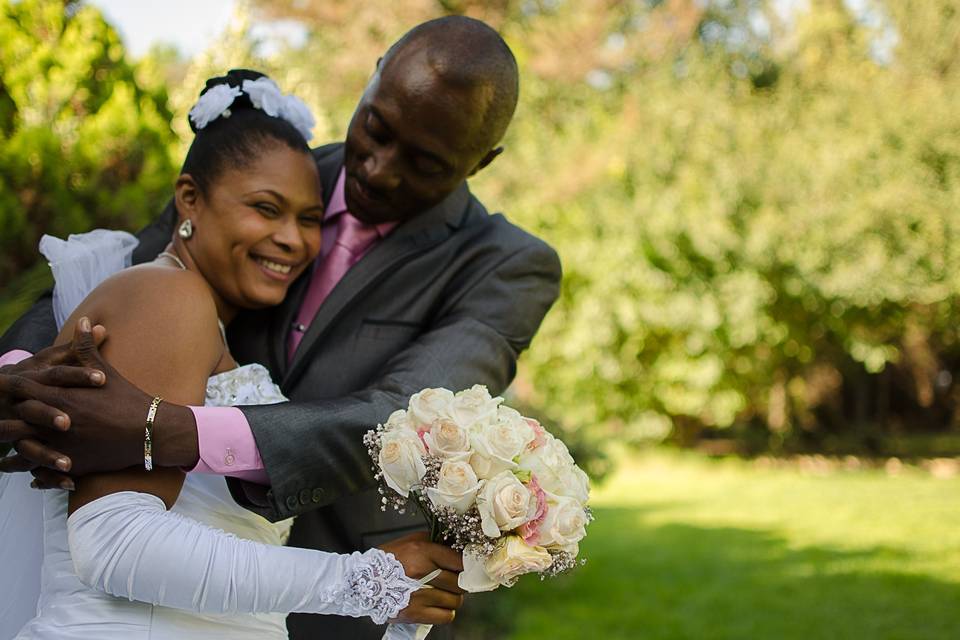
(304, 496)
(317, 495)
(291, 503)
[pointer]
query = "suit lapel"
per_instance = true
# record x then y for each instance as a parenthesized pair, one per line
(411, 238)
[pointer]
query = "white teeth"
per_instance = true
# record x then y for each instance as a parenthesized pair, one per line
(273, 266)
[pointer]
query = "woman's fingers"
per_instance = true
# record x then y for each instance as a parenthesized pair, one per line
(42, 415)
(42, 455)
(13, 430)
(447, 581)
(15, 464)
(44, 478)
(431, 606)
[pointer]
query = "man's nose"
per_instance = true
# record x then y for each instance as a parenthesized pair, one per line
(382, 171)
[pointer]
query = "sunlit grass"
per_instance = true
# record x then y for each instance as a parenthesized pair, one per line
(685, 547)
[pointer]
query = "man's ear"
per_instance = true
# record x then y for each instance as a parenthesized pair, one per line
(186, 196)
(487, 159)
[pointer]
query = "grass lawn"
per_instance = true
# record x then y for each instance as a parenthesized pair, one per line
(686, 547)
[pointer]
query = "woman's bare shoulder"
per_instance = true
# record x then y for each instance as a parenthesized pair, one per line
(156, 310)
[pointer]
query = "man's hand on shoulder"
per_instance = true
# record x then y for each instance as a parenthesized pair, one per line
(66, 410)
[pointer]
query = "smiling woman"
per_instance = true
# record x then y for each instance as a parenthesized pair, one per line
(255, 229)
(152, 553)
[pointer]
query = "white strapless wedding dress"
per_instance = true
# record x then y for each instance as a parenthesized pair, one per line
(205, 569)
(68, 610)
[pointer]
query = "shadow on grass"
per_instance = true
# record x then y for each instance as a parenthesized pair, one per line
(682, 581)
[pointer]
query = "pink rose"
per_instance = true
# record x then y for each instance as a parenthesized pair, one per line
(539, 434)
(530, 530)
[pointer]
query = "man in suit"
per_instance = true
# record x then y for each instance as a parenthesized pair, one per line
(417, 286)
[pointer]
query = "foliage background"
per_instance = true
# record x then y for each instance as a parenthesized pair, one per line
(755, 201)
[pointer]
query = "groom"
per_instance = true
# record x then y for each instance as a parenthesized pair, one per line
(417, 286)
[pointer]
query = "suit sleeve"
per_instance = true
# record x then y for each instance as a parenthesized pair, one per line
(37, 329)
(316, 449)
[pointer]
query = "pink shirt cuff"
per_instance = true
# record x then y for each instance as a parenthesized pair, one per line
(227, 447)
(13, 357)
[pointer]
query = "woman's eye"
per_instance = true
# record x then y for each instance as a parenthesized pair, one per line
(310, 221)
(267, 209)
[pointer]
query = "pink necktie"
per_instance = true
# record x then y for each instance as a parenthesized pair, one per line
(353, 239)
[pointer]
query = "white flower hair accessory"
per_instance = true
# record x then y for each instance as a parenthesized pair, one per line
(297, 113)
(264, 95)
(213, 104)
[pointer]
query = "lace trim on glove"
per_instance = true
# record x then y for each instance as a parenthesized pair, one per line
(377, 586)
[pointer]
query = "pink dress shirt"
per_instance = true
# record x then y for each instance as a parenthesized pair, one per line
(13, 357)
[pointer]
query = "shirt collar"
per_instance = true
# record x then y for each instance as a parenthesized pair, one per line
(338, 205)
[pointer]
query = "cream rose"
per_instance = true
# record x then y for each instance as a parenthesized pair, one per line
(428, 405)
(474, 577)
(504, 504)
(474, 407)
(456, 487)
(400, 460)
(496, 445)
(398, 420)
(554, 468)
(564, 524)
(512, 559)
(576, 484)
(447, 439)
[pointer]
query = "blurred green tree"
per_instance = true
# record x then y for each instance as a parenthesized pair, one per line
(85, 141)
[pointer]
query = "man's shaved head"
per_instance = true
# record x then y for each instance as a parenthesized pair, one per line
(431, 116)
(465, 54)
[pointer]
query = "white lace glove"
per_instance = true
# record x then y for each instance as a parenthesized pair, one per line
(128, 545)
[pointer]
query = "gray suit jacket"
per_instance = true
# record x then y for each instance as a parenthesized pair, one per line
(449, 298)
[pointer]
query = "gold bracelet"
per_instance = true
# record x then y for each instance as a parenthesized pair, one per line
(148, 434)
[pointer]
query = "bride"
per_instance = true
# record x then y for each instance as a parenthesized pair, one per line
(157, 553)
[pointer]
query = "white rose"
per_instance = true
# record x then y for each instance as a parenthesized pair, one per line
(265, 95)
(428, 405)
(564, 524)
(499, 443)
(576, 484)
(399, 420)
(448, 440)
(474, 577)
(504, 504)
(474, 406)
(512, 559)
(456, 487)
(552, 465)
(487, 467)
(400, 460)
(212, 104)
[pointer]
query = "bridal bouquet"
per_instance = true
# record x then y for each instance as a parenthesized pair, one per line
(495, 485)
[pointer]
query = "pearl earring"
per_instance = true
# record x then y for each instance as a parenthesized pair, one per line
(185, 230)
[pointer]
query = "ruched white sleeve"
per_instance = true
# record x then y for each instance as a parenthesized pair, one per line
(128, 545)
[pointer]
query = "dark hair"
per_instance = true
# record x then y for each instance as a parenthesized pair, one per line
(233, 142)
